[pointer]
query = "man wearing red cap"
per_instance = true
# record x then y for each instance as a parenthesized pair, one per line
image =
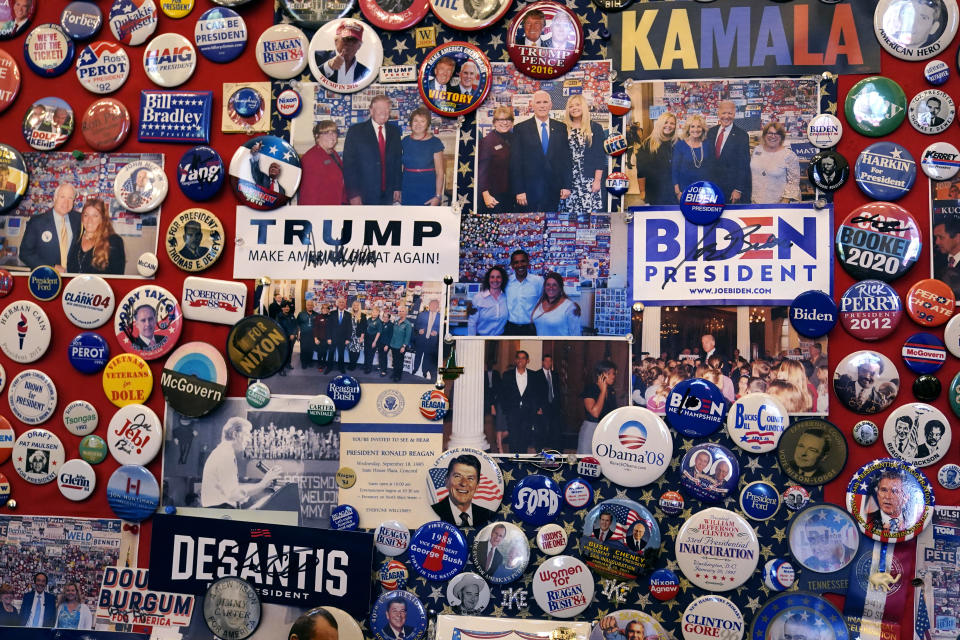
(341, 66)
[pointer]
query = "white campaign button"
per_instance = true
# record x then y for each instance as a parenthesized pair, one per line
(633, 446)
(282, 51)
(147, 264)
(717, 549)
(80, 417)
(76, 480)
(824, 130)
(24, 331)
(917, 433)
(32, 397)
(710, 617)
(392, 537)
(209, 300)
(169, 60)
(940, 161)
(140, 186)
(756, 421)
(88, 301)
(552, 539)
(38, 456)
(103, 67)
(135, 435)
(563, 586)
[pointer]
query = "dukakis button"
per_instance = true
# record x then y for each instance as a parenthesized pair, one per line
(695, 408)
(48, 50)
(19, 15)
(105, 124)
(88, 352)
(878, 240)
(148, 322)
(930, 303)
(25, 331)
(813, 314)
(824, 130)
(14, 176)
(915, 31)
(865, 433)
(937, 72)
(257, 347)
(81, 19)
(88, 301)
(127, 379)
(9, 80)
(38, 456)
(133, 493)
(200, 173)
(545, 39)
(48, 123)
(195, 239)
(220, 34)
(924, 353)
(875, 106)
(265, 172)
(169, 60)
(828, 170)
(103, 67)
(76, 480)
(282, 51)
(866, 382)
(134, 435)
(44, 283)
(885, 171)
(80, 418)
(931, 111)
(194, 379)
(133, 21)
(926, 388)
(870, 310)
(140, 186)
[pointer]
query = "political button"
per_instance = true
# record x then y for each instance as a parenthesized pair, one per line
(88, 301)
(342, 37)
(634, 446)
(231, 608)
(796, 497)
(501, 552)
(258, 395)
(175, 116)
(717, 549)
(32, 397)
(392, 17)
(195, 239)
(38, 456)
(778, 574)
(169, 60)
(133, 493)
(194, 379)
(344, 518)
(545, 39)
(321, 409)
(930, 303)
(44, 283)
(931, 111)
(702, 202)
(88, 352)
(390, 604)
(246, 103)
(808, 615)
(435, 75)
(25, 331)
(813, 314)
(878, 240)
(710, 617)
(80, 19)
(618, 183)
(709, 472)
(17, 17)
(759, 500)
(282, 51)
(48, 50)
(134, 435)
(392, 575)
(552, 539)
(257, 347)
(103, 67)
(828, 170)
(438, 551)
(577, 493)
(7, 438)
(926, 388)
(870, 310)
(695, 407)
(949, 476)
(885, 171)
(917, 433)
(454, 485)
(471, 16)
(812, 451)
(6, 283)
(824, 130)
(147, 264)
(890, 500)
(14, 179)
(344, 390)
(288, 103)
(924, 353)
(664, 585)
(875, 106)
(76, 480)
(621, 539)
(176, 8)
(127, 379)
(200, 173)
(9, 80)
(434, 405)
(48, 124)
(133, 21)
(619, 104)
(105, 124)
(312, 14)
(937, 72)
(345, 477)
(140, 186)
(756, 421)
(588, 467)
(915, 31)
(391, 538)
(220, 34)
(265, 172)
(148, 322)
(940, 161)
(80, 417)
(563, 586)
(866, 381)
(865, 433)
(671, 502)
(536, 499)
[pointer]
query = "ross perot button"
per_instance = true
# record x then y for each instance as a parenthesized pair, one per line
(930, 303)
(103, 67)
(88, 352)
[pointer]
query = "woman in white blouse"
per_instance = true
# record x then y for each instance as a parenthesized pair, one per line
(487, 312)
(775, 168)
(555, 313)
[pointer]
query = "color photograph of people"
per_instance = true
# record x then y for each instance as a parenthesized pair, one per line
(945, 231)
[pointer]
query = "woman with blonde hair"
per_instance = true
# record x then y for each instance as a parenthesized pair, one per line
(588, 158)
(72, 613)
(493, 164)
(655, 161)
(794, 373)
(98, 249)
(775, 168)
(358, 327)
(692, 159)
(787, 393)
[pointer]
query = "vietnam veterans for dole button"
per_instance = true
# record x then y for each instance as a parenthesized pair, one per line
(878, 240)
(127, 379)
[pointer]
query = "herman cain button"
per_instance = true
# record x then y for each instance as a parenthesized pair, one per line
(25, 331)
(195, 239)
(257, 347)
(194, 379)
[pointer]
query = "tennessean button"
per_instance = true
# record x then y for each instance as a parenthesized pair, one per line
(937, 72)
(265, 172)
(44, 283)
(88, 301)
(709, 472)
(220, 34)
(127, 379)
(890, 500)
(710, 617)
(756, 421)
(345, 55)
(930, 303)
(80, 418)
(282, 51)
(148, 322)
(9, 80)
(633, 445)
(140, 186)
(105, 124)
(865, 433)
(931, 111)
(813, 314)
(885, 171)
(545, 39)
(76, 480)
(940, 161)
(133, 493)
(195, 239)
(38, 456)
(563, 586)
(80, 19)
(48, 124)
(48, 50)
(103, 67)
(134, 434)
(917, 433)
(194, 379)
(870, 310)
(169, 60)
(878, 240)
(133, 21)
(695, 408)
(88, 352)
(915, 30)
(717, 549)
(25, 331)
(257, 347)
(824, 130)
(828, 170)
(924, 353)
(875, 106)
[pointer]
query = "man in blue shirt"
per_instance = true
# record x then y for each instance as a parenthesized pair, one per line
(523, 292)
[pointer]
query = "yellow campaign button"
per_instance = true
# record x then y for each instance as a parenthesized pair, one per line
(176, 8)
(127, 379)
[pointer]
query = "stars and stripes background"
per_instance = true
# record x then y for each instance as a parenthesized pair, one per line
(487, 490)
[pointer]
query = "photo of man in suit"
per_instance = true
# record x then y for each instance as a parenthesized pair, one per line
(861, 394)
(731, 146)
(270, 180)
(541, 171)
(396, 627)
(145, 321)
(522, 399)
(463, 477)
(810, 449)
(192, 235)
(489, 559)
(638, 538)
(316, 624)
(604, 532)
(890, 492)
(38, 608)
(933, 430)
(914, 23)
(946, 237)
(426, 340)
(48, 236)
(372, 170)
(553, 417)
(441, 81)
(533, 25)
(339, 326)
(341, 64)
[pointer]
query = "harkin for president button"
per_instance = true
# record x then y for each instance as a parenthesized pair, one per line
(25, 331)
(875, 106)
(813, 314)
(878, 240)
(88, 352)
(48, 50)
(930, 303)
(870, 310)
(924, 353)
(38, 456)
(134, 434)
(885, 171)
(88, 301)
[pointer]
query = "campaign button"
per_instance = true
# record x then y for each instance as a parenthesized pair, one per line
(288, 103)
(127, 379)
(915, 31)
(80, 19)
(133, 21)
(194, 379)
(812, 611)
(231, 608)
(619, 103)
(778, 574)
(314, 14)
(866, 382)
(88, 301)
(76, 480)
(344, 518)
(5, 492)
(88, 352)
(931, 111)
(38, 456)
(930, 303)
(392, 575)
(148, 322)
(25, 331)
(544, 39)
(924, 353)
(671, 502)
(32, 397)
(220, 34)
(865, 433)
(282, 51)
(191, 109)
(133, 493)
(828, 170)
(824, 130)
(955, 394)
(878, 240)
(439, 91)
(147, 264)
(176, 8)
(466, 17)
(940, 161)
(709, 472)
(588, 467)
(345, 477)
(48, 50)
(80, 417)
(577, 493)
(634, 446)
(105, 124)
(438, 551)
(552, 539)
(796, 497)
(536, 499)
(103, 67)
(135, 434)
(886, 520)
(344, 390)
(756, 421)
(434, 405)
(44, 283)
(885, 171)
(6, 283)
(870, 310)
(246, 102)
(14, 177)
(695, 408)
(169, 60)
(949, 476)
(664, 584)
(875, 106)
(321, 409)
(813, 314)
(265, 172)
(48, 124)
(615, 144)
(392, 601)
(710, 617)
(17, 18)
(257, 347)
(937, 72)
(926, 388)
(501, 552)
(258, 395)
(140, 186)
(195, 239)
(717, 549)
(556, 579)
(7, 438)
(618, 183)
(917, 433)
(200, 173)
(813, 451)
(759, 500)
(391, 538)
(9, 80)
(702, 202)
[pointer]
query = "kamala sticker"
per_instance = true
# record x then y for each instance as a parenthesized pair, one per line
(195, 239)
(175, 116)
(633, 445)
(265, 172)
(823, 538)
(812, 452)
(717, 549)
(563, 586)
(917, 433)
(712, 617)
(620, 539)
(38, 456)
(148, 322)
(756, 421)
(890, 500)
(866, 382)
(915, 29)
(454, 79)
(709, 472)
(501, 552)
(878, 240)
(545, 40)
(194, 379)
(25, 331)
(799, 615)
(438, 551)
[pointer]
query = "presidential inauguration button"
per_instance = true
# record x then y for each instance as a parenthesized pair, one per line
(949, 476)
(257, 347)
(471, 15)
(577, 493)
(148, 322)
(7, 438)
(81, 19)
(25, 331)
(195, 239)
(875, 106)
(930, 302)
(103, 67)
(931, 111)
(140, 186)
(917, 433)
(44, 283)
(397, 613)
(344, 390)
(48, 124)
(552, 539)
(169, 60)
(392, 575)
(664, 584)
(501, 552)
(133, 493)
(671, 502)
(76, 480)
(14, 177)
(813, 314)
(434, 405)
(824, 130)
(258, 395)
(391, 538)
(870, 310)
(9, 80)
(634, 446)
(175, 116)
(588, 467)
(438, 551)
(200, 173)
(756, 421)
(940, 161)
(924, 353)
(321, 409)
(38, 456)
(88, 301)
(32, 397)
(915, 30)
(17, 17)
(620, 538)
(717, 549)
(80, 417)
(865, 433)
(798, 614)
(454, 79)
(88, 352)
(709, 472)
(194, 379)
(796, 497)
(695, 407)
(702, 202)
(344, 517)
(563, 586)
(545, 39)
(759, 500)
(812, 451)
(345, 55)
(134, 435)
(828, 170)
(48, 50)
(231, 608)
(127, 379)
(710, 617)
(885, 171)
(778, 574)
(133, 21)
(890, 500)
(288, 103)
(392, 16)
(147, 264)
(265, 172)
(465, 487)
(176, 8)
(926, 388)
(878, 240)
(282, 51)
(220, 34)
(536, 499)
(105, 124)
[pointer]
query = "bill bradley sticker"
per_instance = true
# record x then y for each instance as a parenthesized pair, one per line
(32, 397)
(626, 622)
(454, 79)
(812, 452)
(394, 602)
(717, 549)
(870, 310)
(710, 617)
(890, 500)
(175, 116)
(878, 240)
(38, 456)
(823, 538)
(563, 586)
(620, 539)
(231, 609)
(917, 433)
(148, 322)
(798, 615)
(501, 552)
(709, 472)
(25, 331)
(465, 478)
(756, 421)
(195, 239)
(633, 445)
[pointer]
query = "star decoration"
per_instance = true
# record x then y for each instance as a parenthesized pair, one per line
(497, 612)
(646, 496)
(780, 534)
(524, 613)
(753, 604)
(464, 168)
(687, 444)
(593, 35)
(411, 60)
(508, 474)
(496, 41)
(387, 62)
(621, 494)
(569, 527)
(466, 136)
(673, 530)
(643, 600)
(831, 107)
(400, 45)
(754, 464)
(447, 610)
(766, 551)
(558, 477)
(435, 594)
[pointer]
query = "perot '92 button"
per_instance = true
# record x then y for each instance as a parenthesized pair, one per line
(88, 352)
(103, 67)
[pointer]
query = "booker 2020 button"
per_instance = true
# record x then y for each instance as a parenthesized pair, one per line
(76, 480)
(134, 434)
(133, 493)
(924, 353)
(878, 240)
(563, 586)
(930, 303)
(917, 433)
(25, 331)
(875, 106)
(710, 617)
(717, 549)
(870, 310)
(634, 446)
(127, 379)
(88, 301)
(38, 456)
(813, 314)
(885, 171)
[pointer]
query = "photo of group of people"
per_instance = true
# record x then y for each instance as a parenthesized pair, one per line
(945, 231)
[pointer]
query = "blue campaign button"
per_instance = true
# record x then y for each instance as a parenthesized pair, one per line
(81, 19)
(760, 500)
(695, 407)
(44, 283)
(924, 353)
(288, 103)
(709, 472)
(200, 173)
(344, 390)
(664, 584)
(813, 314)
(936, 72)
(578, 493)
(133, 493)
(344, 518)
(220, 34)
(438, 551)
(88, 352)
(536, 499)
(702, 202)
(247, 102)
(885, 171)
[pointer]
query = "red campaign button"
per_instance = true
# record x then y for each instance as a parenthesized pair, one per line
(545, 40)
(105, 124)
(9, 80)
(870, 310)
(930, 302)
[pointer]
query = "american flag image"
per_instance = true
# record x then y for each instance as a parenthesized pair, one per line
(487, 489)
(633, 434)
(923, 618)
(623, 517)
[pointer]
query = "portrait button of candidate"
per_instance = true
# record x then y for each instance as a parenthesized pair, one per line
(345, 55)
(545, 39)
(812, 452)
(398, 615)
(14, 176)
(466, 487)
(324, 623)
(866, 382)
(823, 538)
(501, 552)
(915, 29)
(891, 500)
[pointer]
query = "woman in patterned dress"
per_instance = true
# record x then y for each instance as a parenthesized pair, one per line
(589, 160)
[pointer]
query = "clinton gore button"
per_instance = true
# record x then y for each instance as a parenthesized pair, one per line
(134, 434)
(930, 303)
(194, 379)
(103, 67)
(88, 301)
(133, 21)
(717, 549)
(931, 111)
(105, 124)
(695, 407)
(563, 586)
(924, 353)
(80, 19)
(127, 380)
(824, 130)
(48, 50)
(702, 202)
(80, 417)
(88, 352)
(756, 421)
(875, 106)
(76, 480)
(710, 617)
(38, 456)
(878, 240)
(25, 331)
(282, 51)
(633, 445)
(813, 314)
(133, 493)
(940, 161)
(200, 173)
(917, 433)
(885, 171)
(220, 34)
(870, 310)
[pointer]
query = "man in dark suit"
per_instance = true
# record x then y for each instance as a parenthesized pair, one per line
(396, 627)
(709, 344)
(316, 624)
(553, 419)
(269, 180)
(341, 65)
(339, 327)
(946, 236)
(890, 494)
(522, 398)
(371, 157)
(48, 236)
(861, 394)
(489, 559)
(533, 25)
(426, 339)
(441, 80)
(463, 478)
(811, 448)
(731, 146)
(541, 171)
(604, 532)
(39, 608)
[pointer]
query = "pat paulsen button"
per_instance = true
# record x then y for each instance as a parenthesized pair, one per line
(878, 240)
(940, 161)
(38, 456)
(501, 552)
(438, 551)
(577, 493)
(345, 55)
(391, 538)
(133, 21)
(282, 51)
(633, 445)
(710, 617)
(552, 539)
(48, 124)
(890, 500)
(25, 331)
(620, 538)
(536, 499)
(194, 379)
(80, 19)
(545, 40)
(220, 34)
(875, 106)
(931, 111)
(812, 452)
(80, 417)
(148, 322)
(140, 186)
(454, 79)
(756, 421)
(865, 433)
(695, 407)
(134, 434)
(105, 124)
(9, 80)
(76, 480)
(709, 472)
(231, 609)
(395, 16)
(103, 67)
(759, 500)
(133, 493)
(870, 310)
(200, 173)
(917, 433)
(44, 283)
(930, 303)
(127, 379)
(392, 602)
(813, 314)
(48, 50)
(88, 301)
(195, 239)
(717, 549)
(169, 60)
(924, 353)
(828, 170)
(915, 30)
(257, 347)
(563, 586)
(885, 171)
(88, 352)
(265, 172)
(824, 130)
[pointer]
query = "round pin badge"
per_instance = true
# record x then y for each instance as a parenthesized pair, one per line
(257, 347)
(434, 405)
(813, 314)
(885, 171)
(875, 106)
(577, 493)
(930, 302)
(760, 500)
(231, 608)
(917, 433)
(88, 352)
(415, 620)
(312, 14)
(878, 240)
(127, 379)
(140, 186)
(9, 80)
(671, 502)
(924, 353)
(195, 240)
(454, 79)
(890, 500)
(438, 551)
(618, 183)
(796, 498)
(17, 17)
(633, 445)
(134, 435)
(465, 487)
(468, 594)
(38, 456)
(288, 103)
(619, 103)
(624, 622)
(695, 408)
(615, 145)
(563, 586)
(552, 539)
(501, 552)
(828, 170)
(799, 613)
(265, 172)
(812, 452)
(25, 331)
(664, 585)
(709, 472)
(717, 549)
(32, 397)
(258, 395)
(169, 60)
(756, 421)
(536, 499)
(133, 21)
(7, 439)
(282, 51)
(147, 264)
(824, 130)
(392, 575)
(915, 31)
(588, 467)
(391, 538)
(870, 310)
(620, 538)
(14, 179)
(344, 517)
(345, 477)
(194, 379)
(246, 105)
(702, 202)
(148, 322)
(940, 161)
(344, 390)
(931, 111)
(936, 72)
(220, 34)
(80, 418)
(866, 382)
(76, 480)
(949, 476)
(48, 123)
(176, 8)
(321, 409)
(865, 433)
(80, 19)
(88, 301)
(105, 124)
(926, 388)
(778, 574)
(48, 50)
(133, 493)
(103, 67)
(6, 283)
(200, 173)
(395, 16)
(472, 15)
(545, 39)
(710, 617)
(345, 55)
(44, 283)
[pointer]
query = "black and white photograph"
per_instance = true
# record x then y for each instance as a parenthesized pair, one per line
(468, 594)
(800, 622)
(915, 24)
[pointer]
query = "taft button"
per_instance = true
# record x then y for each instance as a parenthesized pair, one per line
(926, 388)
(828, 170)
(200, 173)
(870, 310)
(824, 130)
(866, 382)
(48, 50)
(105, 124)
(88, 301)
(25, 331)
(878, 240)
(80, 417)
(915, 31)
(140, 186)
(38, 456)
(702, 202)
(9, 80)
(931, 111)
(81, 19)
(76, 480)
(885, 171)
(618, 183)
(103, 67)
(930, 303)
(875, 106)
(937, 72)
(133, 21)
(93, 449)
(48, 124)
(14, 176)
(169, 60)
(813, 314)
(220, 34)
(133, 493)
(865, 433)
(924, 353)
(282, 51)
(917, 433)
(545, 40)
(88, 352)
(134, 435)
